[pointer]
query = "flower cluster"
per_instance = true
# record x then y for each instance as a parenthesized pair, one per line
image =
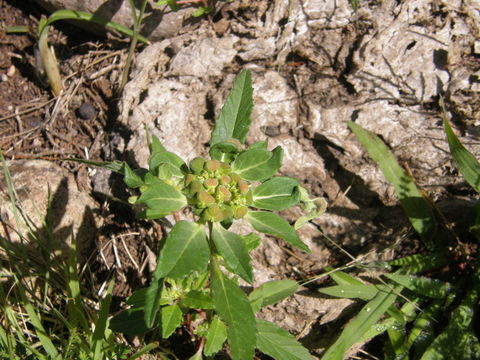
(215, 192)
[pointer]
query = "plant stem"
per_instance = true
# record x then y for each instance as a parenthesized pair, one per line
(137, 21)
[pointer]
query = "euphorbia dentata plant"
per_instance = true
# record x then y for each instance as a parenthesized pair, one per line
(195, 281)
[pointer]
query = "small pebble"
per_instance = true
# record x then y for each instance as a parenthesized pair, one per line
(4, 77)
(86, 111)
(476, 47)
(11, 71)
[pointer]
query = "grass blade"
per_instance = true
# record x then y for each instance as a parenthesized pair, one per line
(413, 202)
(101, 329)
(355, 329)
(467, 163)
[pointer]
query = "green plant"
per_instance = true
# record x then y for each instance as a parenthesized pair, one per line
(424, 316)
(195, 281)
(48, 62)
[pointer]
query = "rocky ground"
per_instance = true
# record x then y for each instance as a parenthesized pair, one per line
(316, 65)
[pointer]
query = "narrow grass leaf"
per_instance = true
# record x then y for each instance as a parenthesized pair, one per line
(185, 250)
(34, 319)
(350, 291)
(467, 163)
(276, 194)
(196, 299)
(115, 166)
(233, 307)
(419, 263)
(171, 317)
(147, 348)
(101, 328)
(342, 278)
(271, 292)
(421, 332)
(270, 223)
(163, 198)
(84, 16)
(422, 286)
(216, 336)
(279, 343)
(354, 330)
(234, 251)
(234, 120)
(258, 164)
(411, 198)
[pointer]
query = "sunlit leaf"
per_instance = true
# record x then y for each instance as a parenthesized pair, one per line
(162, 199)
(216, 336)
(413, 202)
(233, 307)
(271, 292)
(196, 299)
(258, 164)
(170, 318)
(421, 285)
(351, 291)
(234, 251)
(234, 120)
(278, 193)
(270, 223)
(279, 343)
(185, 250)
(467, 163)
(354, 330)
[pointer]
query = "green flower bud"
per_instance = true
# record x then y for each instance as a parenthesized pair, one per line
(224, 165)
(212, 165)
(210, 185)
(189, 178)
(196, 165)
(227, 212)
(225, 180)
(213, 213)
(242, 186)
(195, 187)
(240, 211)
(204, 199)
(235, 178)
(223, 194)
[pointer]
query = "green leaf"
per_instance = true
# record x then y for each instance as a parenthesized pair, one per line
(153, 296)
(224, 151)
(130, 322)
(271, 292)
(162, 199)
(115, 166)
(467, 163)
(258, 164)
(418, 263)
(132, 178)
(269, 223)
(216, 336)
(350, 291)
(100, 333)
(196, 299)
(234, 120)
(174, 162)
(411, 198)
(354, 330)
(279, 343)
(455, 342)
(278, 193)
(342, 278)
(252, 241)
(170, 318)
(233, 307)
(234, 251)
(84, 16)
(185, 250)
(154, 144)
(422, 286)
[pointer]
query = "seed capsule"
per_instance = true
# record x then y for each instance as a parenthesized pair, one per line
(195, 187)
(225, 180)
(242, 186)
(210, 184)
(235, 178)
(213, 213)
(223, 194)
(189, 178)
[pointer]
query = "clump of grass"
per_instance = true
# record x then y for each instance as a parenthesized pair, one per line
(424, 316)
(44, 314)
